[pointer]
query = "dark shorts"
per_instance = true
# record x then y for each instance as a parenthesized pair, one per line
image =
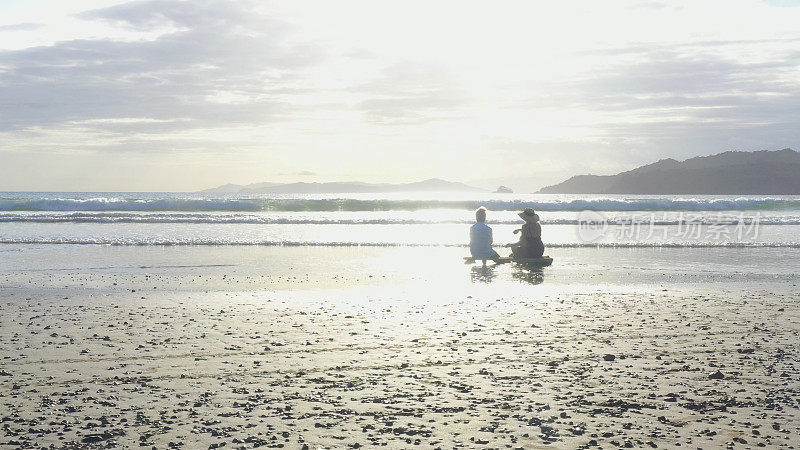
(534, 249)
(493, 255)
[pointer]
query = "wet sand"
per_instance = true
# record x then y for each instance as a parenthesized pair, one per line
(136, 359)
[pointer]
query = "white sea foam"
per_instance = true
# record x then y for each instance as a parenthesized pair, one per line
(198, 218)
(350, 204)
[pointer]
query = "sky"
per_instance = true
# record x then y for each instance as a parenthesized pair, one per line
(167, 95)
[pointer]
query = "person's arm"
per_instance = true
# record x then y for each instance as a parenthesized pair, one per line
(523, 234)
(491, 237)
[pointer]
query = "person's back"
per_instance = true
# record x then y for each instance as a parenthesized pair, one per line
(530, 241)
(480, 237)
(532, 234)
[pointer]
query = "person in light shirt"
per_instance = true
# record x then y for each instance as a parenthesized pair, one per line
(480, 237)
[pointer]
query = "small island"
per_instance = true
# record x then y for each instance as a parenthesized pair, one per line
(504, 190)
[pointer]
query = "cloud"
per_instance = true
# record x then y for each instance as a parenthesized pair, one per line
(180, 79)
(408, 93)
(299, 173)
(688, 100)
(154, 14)
(360, 53)
(651, 5)
(21, 27)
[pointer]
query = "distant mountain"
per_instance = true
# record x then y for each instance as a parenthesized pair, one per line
(432, 185)
(762, 172)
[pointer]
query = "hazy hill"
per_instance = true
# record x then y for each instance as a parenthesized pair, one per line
(432, 185)
(235, 188)
(762, 172)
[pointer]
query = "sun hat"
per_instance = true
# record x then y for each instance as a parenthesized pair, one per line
(529, 215)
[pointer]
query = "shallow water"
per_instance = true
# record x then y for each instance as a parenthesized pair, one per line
(304, 268)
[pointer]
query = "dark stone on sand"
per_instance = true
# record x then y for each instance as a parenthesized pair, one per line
(99, 437)
(609, 357)
(716, 376)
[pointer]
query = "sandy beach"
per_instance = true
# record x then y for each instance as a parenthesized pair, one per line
(147, 357)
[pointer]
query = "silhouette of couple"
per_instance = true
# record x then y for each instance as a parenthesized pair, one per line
(530, 240)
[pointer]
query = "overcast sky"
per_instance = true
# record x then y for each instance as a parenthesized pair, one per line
(173, 95)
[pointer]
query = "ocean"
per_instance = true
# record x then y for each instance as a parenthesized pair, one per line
(412, 219)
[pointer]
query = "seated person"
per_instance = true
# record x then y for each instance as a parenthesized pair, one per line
(480, 237)
(530, 243)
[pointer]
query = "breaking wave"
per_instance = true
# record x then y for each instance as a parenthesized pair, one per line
(349, 204)
(199, 218)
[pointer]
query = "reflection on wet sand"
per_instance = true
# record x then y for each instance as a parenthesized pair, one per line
(519, 272)
(482, 274)
(530, 275)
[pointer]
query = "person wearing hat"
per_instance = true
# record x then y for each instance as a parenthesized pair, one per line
(480, 238)
(530, 243)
